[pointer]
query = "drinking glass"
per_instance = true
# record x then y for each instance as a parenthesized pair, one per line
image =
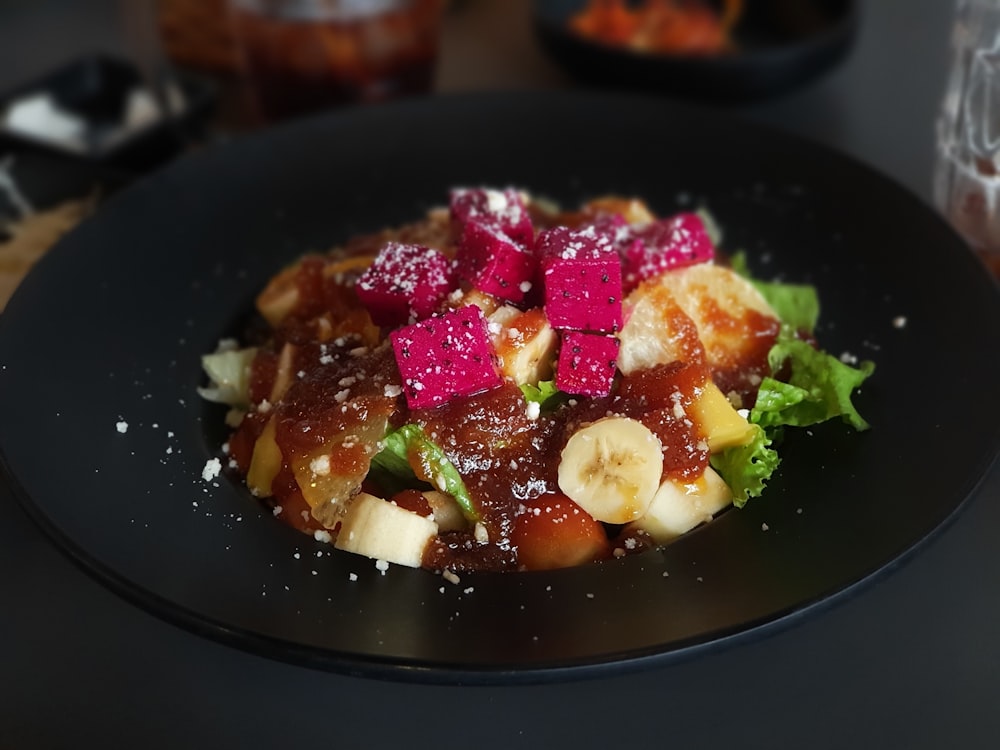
(305, 55)
(967, 174)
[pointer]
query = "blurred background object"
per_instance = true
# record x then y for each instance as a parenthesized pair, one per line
(285, 58)
(719, 51)
(967, 174)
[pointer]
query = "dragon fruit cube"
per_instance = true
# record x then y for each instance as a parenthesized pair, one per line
(664, 244)
(405, 282)
(587, 363)
(494, 263)
(503, 209)
(444, 357)
(581, 279)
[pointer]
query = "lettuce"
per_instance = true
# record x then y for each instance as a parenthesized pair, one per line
(818, 388)
(407, 446)
(806, 386)
(545, 394)
(745, 468)
(797, 305)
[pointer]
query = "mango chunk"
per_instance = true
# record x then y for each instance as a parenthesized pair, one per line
(265, 463)
(721, 424)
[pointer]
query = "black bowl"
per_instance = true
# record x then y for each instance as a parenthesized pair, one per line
(780, 45)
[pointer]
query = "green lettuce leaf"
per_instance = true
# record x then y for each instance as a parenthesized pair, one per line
(746, 468)
(818, 388)
(797, 305)
(407, 444)
(545, 394)
(814, 387)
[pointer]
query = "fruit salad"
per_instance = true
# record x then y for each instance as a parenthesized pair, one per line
(504, 385)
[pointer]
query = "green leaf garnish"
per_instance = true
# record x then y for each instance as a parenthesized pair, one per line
(746, 468)
(797, 305)
(818, 388)
(407, 447)
(545, 394)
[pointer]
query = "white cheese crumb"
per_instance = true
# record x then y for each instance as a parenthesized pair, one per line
(122, 427)
(481, 534)
(469, 590)
(764, 527)
(451, 577)
(899, 321)
(533, 410)
(352, 576)
(321, 535)
(381, 566)
(212, 469)
(391, 391)
(320, 466)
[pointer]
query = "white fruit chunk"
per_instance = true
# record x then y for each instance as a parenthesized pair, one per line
(611, 468)
(724, 307)
(447, 513)
(378, 529)
(703, 312)
(678, 507)
(525, 344)
(657, 331)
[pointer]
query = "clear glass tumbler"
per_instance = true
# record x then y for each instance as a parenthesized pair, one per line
(302, 56)
(967, 174)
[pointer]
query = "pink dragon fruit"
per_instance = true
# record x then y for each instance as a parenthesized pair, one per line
(664, 244)
(587, 363)
(405, 282)
(581, 278)
(494, 263)
(444, 357)
(503, 209)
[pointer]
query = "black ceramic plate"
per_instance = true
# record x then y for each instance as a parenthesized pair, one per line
(780, 45)
(110, 326)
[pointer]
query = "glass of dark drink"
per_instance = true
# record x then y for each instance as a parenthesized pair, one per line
(303, 56)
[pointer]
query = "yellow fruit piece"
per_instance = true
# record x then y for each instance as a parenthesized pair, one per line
(720, 423)
(265, 462)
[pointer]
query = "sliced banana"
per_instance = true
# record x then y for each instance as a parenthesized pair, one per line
(611, 468)
(678, 507)
(381, 530)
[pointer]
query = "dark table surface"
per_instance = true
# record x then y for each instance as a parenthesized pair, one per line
(910, 661)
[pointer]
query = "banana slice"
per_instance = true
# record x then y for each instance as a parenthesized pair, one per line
(679, 507)
(611, 468)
